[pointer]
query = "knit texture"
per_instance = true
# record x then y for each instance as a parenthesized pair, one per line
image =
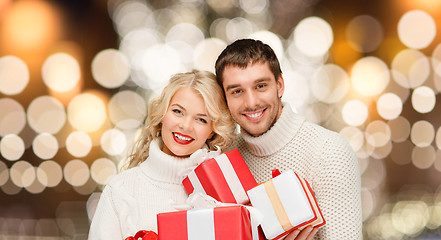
(131, 200)
(322, 157)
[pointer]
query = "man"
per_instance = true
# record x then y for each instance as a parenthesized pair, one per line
(274, 137)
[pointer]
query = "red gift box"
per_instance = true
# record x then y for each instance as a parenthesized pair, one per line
(219, 223)
(225, 178)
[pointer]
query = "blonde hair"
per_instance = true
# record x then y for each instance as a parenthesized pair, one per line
(205, 84)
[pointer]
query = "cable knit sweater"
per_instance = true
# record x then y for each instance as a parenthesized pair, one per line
(131, 200)
(322, 157)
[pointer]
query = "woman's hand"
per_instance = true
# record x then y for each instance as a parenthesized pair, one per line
(306, 234)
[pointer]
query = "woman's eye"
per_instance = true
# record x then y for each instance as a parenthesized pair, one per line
(177, 111)
(202, 120)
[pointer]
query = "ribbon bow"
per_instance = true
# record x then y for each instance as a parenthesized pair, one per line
(200, 156)
(144, 235)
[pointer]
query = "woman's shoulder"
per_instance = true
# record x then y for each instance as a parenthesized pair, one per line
(123, 178)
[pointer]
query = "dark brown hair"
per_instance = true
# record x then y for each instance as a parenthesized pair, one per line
(246, 51)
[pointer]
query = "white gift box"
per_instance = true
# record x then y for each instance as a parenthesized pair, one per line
(287, 203)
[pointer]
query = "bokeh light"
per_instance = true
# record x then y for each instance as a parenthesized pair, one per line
(400, 129)
(377, 133)
(354, 136)
(78, 144)
(45, 146)
(438, 138)
(49, 173)
(206, 53)
(113, 142)
(12, 147)
(102, 170)
(364, 33)
(416, 29)
(389, 106)
(22, 173)
(423, 99)
(354, 112)
(76, 172)
(86, 112)
(12, 117)
(370, 76)
(410, 68)
(313, 36)
(46, 115)
(423, 157)
(61, 72)
(127, 109)
(422, 133)
(330, 84)
(14, 75)
(110, 68)
(410, 217)
(30, 26)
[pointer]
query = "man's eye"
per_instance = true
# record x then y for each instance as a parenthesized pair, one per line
(260, 86)
(237, 91)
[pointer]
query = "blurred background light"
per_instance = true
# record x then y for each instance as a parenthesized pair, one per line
(30, 25)
(49, 173)
(416, 29)
(76, 172)
(313, 36)
(422, 133)
(370, 76)
(86, 112)
(14, 75)
(330, 84)
(12, 147)
(102, 170)
(354, 113)
(46, 115)
(22, 173)
(78, 144)
(389, 106)
(423, 99)
(61, 72)
(364, 33)
(377, 133)
(354, 136)
(400, 129)
(45, 146)
(423, 157)
(110, 68)
(127, 110)
(410, 68)
(12, 117)
(113, 142)
(206, 53)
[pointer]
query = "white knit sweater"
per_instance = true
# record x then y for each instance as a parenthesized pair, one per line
(322, 157)
(131, 200)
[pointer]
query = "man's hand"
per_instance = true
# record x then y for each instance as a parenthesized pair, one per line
(306, 234)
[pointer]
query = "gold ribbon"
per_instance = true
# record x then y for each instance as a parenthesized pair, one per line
(277, 206)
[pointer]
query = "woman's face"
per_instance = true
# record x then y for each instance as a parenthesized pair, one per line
(186, 125)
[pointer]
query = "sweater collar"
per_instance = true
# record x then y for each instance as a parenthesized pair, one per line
(285, 128)
(163, 167)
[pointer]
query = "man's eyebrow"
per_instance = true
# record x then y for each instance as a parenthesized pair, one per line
(260, 80)
(232, 86)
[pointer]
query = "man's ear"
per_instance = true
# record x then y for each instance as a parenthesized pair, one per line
(280, 86)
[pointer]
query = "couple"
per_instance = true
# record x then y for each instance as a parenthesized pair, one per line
(192, 113)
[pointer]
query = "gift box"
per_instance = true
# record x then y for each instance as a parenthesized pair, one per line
(287, 203)
(225, 177)
(219, 223)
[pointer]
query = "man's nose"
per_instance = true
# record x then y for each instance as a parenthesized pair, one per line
(250, 100)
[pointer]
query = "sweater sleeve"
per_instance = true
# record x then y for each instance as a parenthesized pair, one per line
(105, 223)
(339, 191)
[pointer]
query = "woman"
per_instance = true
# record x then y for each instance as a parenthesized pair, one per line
(191, 113)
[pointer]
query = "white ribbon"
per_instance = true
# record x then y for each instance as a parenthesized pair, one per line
(199, 156)
(198, 201)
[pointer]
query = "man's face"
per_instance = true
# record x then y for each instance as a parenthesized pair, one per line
(253, 96)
